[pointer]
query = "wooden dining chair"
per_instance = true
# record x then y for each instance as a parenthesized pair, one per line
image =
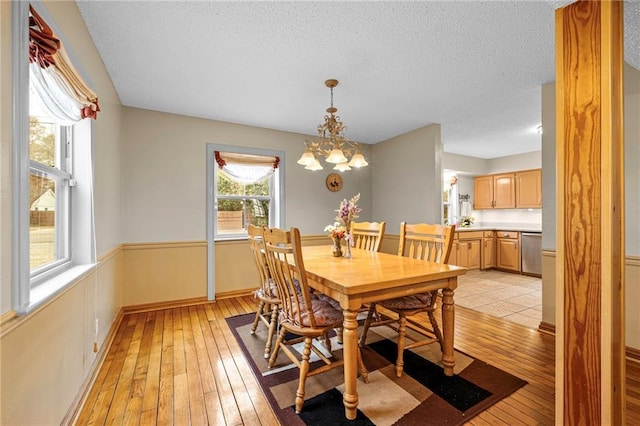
(303, 318)
(267, 293)
(367, 235)
(424, 242)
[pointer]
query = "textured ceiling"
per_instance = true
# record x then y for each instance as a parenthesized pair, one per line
(474, 67)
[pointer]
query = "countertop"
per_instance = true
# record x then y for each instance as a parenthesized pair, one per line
(520, 227)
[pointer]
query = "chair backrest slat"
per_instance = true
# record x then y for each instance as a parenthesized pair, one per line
(255, 242)
(284, 259)
(367, 235)
(426, 242)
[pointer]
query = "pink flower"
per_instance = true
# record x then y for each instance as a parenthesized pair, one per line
(348, 211)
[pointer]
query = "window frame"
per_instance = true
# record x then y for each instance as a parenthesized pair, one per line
(62, 173)
(276, 219)
(30, 292)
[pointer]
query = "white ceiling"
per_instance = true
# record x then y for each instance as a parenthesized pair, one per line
(474, 67)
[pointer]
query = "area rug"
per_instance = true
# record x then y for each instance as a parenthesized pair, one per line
(422, 396)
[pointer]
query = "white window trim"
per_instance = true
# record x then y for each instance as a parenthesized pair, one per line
(21, 287)
(26, 297)
(278, 208)
(62, 174)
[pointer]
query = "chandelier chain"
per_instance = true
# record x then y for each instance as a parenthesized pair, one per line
(331, 97)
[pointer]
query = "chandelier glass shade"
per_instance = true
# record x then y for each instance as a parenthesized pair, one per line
(331, 143)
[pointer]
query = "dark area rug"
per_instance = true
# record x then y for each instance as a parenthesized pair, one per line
(422, 396)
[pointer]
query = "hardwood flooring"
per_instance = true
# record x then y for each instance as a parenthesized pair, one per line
(183, 366)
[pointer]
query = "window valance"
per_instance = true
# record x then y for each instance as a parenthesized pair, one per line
(246, 168)
(54, 79)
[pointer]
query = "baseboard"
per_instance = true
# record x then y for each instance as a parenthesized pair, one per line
(633, 354)
(74, 410)
(545, 327)
(156, 306)
(235, 293)
(148, 307)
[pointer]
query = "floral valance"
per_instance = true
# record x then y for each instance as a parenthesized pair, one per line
(54, 79)
(246, 168)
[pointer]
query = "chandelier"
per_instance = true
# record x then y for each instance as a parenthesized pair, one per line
(331, 144)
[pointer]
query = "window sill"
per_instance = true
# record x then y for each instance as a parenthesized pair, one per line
(231, 238)
(53, 287)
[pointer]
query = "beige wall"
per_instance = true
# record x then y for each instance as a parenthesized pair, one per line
(45, 357)
(632, 158)
(526, 161)
(632, 295)
(161, 272)
(407, 172)
(548, 94)
(462, 163)
(164, 199)
(632, 203)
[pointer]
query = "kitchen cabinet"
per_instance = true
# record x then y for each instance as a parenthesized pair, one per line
(508, 250)
(494, 192)
(483, 192)
(529, 189)
(465, 250)
(488, 256)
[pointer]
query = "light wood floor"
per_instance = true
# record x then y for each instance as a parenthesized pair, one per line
(183, 366)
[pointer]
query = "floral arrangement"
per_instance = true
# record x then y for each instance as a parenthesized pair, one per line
(467, 221)
(348, 211)
(336, 230)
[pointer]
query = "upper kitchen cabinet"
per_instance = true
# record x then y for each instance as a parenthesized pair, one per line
(529, 189)
(494, 192)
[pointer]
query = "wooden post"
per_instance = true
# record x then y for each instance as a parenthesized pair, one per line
(590, 362)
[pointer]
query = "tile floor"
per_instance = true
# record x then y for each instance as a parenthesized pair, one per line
(513, 297)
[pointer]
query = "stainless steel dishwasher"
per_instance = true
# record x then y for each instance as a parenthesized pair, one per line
(532, 253)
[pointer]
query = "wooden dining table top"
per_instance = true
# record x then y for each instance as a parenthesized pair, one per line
(370, 271)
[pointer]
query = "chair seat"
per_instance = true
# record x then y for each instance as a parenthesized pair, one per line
(262, 294)
(325, 314)
(273, 290)
(330, 300)
(415, 301)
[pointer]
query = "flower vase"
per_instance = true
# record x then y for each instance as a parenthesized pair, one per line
(347, 252)
(336, 250)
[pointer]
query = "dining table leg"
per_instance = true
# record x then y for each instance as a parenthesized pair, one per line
(350, 350)
(448, 324)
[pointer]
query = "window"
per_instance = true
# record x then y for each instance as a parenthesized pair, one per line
(50, 155)
(52, 217)
(246, 190)
(449, 198)
(255, 194)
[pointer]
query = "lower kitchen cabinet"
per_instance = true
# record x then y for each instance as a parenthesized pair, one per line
(488, 250)
(466, 250)
(508, 250)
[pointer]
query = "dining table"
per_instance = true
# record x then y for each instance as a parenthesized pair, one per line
(372, 277)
